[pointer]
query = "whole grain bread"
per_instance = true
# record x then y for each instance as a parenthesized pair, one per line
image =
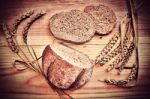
(73, 26)
(66, 67)
(104, 18)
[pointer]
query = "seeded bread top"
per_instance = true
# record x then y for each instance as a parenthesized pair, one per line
(104, 18)
(75, 26)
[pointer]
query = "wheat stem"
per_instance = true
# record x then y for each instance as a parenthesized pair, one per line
(40, 70)
(27, 63)
(25, 34)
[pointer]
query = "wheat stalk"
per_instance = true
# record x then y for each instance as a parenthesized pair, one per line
(104, 55)
(115, 82)
(107, 48)
(123, 83)
(135, 32)
(19, 20)
(133, 74)
(115, 52)
(121, 49)
(26, 28)
(126, 57)
(111, 55)
(128, 31)
(25, 34)
(14, 31)
(17, 23)
(10, 40)
(122, 58)
(13, 45)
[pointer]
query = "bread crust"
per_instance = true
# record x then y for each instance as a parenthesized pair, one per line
(61, 73)
(74, 26)
(104, 18)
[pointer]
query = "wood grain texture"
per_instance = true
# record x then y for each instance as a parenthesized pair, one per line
(30, 85)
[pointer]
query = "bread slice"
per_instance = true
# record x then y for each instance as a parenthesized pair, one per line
(73, 26)
(104, 18)
(66, 67)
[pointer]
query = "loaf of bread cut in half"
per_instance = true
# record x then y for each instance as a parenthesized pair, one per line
(66, 67)
(103, 16)
(74, 26)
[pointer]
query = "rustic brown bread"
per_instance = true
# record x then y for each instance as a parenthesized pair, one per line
(66, 67)
(103, 16)
(74, 26)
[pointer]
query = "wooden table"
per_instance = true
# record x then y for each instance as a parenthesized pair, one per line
(30, 85)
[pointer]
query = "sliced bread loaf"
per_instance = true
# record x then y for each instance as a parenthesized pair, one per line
(74, 26)
(66, 67)
(103, 16)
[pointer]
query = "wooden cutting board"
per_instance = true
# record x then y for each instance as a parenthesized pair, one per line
(29, 84)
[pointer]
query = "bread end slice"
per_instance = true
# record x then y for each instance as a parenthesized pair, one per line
(103, 16)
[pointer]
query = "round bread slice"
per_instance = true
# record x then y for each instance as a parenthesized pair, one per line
(74, 26)
(66, 67)
(104, 18)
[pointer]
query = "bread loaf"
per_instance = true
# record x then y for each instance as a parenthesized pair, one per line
(66, 67)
